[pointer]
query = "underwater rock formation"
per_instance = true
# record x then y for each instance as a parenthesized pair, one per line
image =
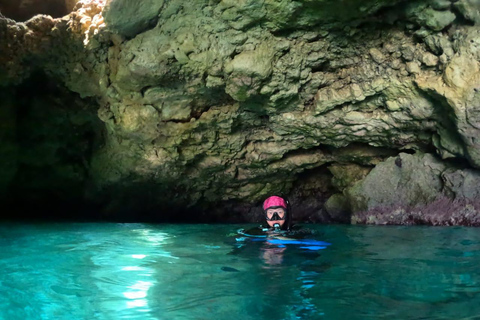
(210, 106)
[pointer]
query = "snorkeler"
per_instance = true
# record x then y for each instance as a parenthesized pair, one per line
(278, 218)
(277, 213)
(278, 224)
(277, 228)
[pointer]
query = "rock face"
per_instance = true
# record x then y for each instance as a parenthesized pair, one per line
(208, 105)
(416, 189)
(22, 10)
(129, 18)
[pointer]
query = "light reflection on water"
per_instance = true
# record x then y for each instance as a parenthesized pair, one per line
(145, 271)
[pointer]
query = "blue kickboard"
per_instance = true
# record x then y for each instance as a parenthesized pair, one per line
(304, 242)
(309, 244)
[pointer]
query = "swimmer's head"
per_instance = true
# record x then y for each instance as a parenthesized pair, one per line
(275, 209)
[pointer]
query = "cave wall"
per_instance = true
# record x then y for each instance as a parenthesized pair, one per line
(218, 104)
(48, 134)
(22, 10)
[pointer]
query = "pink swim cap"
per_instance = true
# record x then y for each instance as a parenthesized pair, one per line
(274, 201)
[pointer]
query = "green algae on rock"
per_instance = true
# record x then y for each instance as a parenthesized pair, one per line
(208, 104)
(130, 18)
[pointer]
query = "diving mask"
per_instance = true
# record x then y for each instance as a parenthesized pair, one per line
(275, 216)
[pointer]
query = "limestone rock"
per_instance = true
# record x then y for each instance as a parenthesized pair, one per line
(377, 55)
(129, 18)
(247, 70)
(413, 67)
(460, 71)
(429, 59)
(470, 9)
(337, 207)
(427, 16)
(440, 4)
(277, 15)
(219, 103)
(462, 184)
(438, 20)
(345, 176)
(404, 180)
(412, 189)
(457, 91)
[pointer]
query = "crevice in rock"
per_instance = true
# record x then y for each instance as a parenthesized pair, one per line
(408, 151)
(461, 20)
(444, 115)
(144, 89)
(318, 149)
(314, 186)
(322, 67)
(458, 163)
(310, 191)
(22, 10)
(177, 120)
(351, 102)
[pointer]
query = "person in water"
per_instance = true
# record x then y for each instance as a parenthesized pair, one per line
(278, 223)
(278, 218)
(277, 231)
(277, 213)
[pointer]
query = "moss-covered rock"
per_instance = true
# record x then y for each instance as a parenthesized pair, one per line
(130, 18)
(345, 175)
(224, 102)
(337, 207)
(469, 9)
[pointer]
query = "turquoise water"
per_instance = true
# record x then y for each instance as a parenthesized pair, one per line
(148, 271)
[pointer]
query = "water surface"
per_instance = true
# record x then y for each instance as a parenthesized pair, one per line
(149, 271)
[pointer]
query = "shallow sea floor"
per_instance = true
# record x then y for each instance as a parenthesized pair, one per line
(164, 271)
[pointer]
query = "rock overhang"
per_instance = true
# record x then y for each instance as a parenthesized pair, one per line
(232, 101)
